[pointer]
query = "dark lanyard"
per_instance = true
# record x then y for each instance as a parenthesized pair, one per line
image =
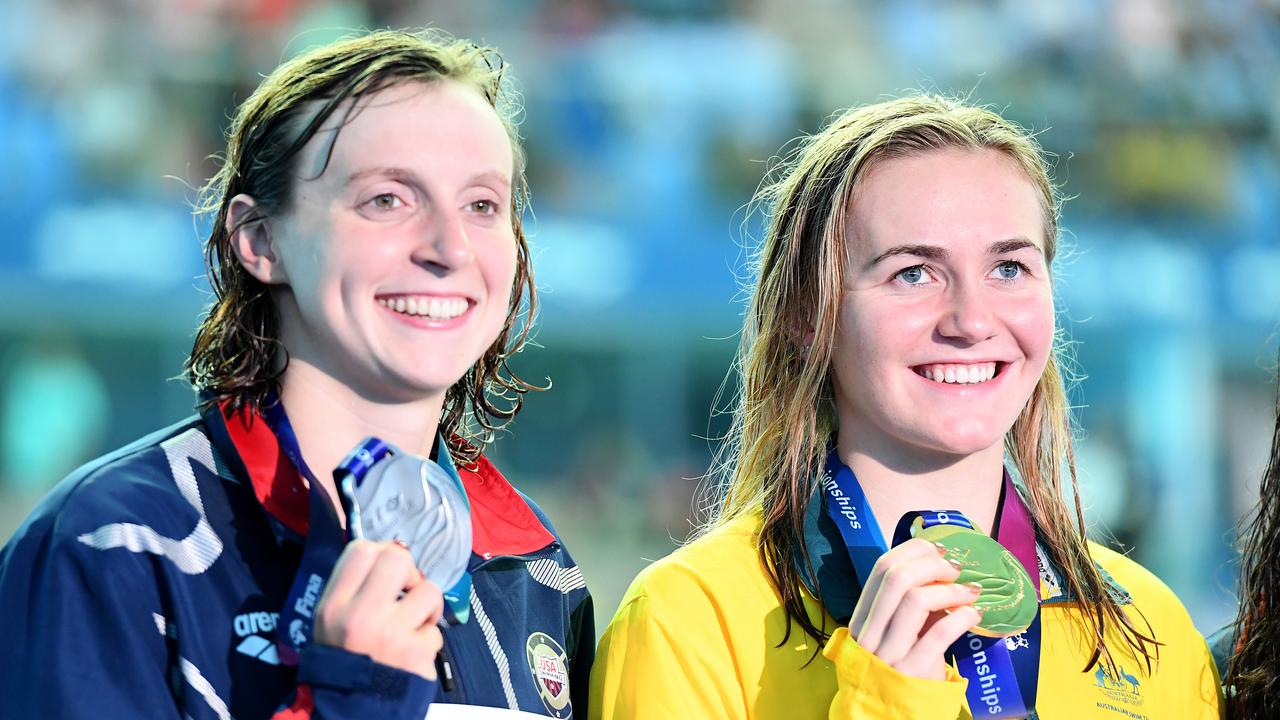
(1003, 673)
(324, 543)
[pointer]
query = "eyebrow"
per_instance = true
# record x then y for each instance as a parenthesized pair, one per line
(406, 174)
(937, 252)
(395, 173)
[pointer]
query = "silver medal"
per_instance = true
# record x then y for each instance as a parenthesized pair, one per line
(413, 500)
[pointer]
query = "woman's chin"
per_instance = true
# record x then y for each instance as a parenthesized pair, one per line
(960, 445)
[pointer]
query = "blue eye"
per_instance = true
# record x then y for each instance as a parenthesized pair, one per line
(914, 275)
(1009, 270)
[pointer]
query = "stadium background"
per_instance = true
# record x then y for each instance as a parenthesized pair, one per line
(648, 125)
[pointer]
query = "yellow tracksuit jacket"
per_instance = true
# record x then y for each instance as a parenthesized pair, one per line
(699, 634)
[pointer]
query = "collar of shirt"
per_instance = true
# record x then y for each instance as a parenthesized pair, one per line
(824, 565)
(502, 522)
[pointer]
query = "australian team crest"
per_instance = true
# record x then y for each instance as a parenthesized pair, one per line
(550, 668)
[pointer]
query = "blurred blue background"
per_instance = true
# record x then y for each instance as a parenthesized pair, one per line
(648, 125)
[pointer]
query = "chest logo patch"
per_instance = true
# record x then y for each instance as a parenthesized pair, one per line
(550, 668)
(1118, 685)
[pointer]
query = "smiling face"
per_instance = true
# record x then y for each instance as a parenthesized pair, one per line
(393, 267)
(946, 321)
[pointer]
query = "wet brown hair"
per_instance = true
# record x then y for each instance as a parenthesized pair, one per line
(237, 358)
(1252, 679)
(784, 415)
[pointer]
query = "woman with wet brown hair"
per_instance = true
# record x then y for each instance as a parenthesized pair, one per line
(326, 538)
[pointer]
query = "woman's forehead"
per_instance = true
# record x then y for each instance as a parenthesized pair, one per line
(396, 121)
(949, 197)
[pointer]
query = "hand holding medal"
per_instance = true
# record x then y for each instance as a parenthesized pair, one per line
(911, 609)
(390, 495)
(410, 526)
(1007, 599)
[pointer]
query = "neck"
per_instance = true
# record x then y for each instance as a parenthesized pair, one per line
(968, 483)
(330, 419)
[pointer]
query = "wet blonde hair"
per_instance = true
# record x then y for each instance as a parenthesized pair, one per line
(784, 415)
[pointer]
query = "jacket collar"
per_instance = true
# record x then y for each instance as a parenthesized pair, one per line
(824, 564)
(502, 523)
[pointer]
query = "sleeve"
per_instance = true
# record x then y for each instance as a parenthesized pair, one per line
(85, 635)
(334, 684)
(582, 650)
(655, 663)
(867, 687)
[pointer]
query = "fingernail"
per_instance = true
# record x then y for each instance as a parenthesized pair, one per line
(955, 564)
(942, 549)
(401, 543)
(974, 587)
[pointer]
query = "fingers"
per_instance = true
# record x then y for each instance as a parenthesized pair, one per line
(913, 549)
(379, 604)
(367, 580)
(352, 568)
(919, 563)
(423, 605)
(922, 659)
(909, 620)
(392, 572)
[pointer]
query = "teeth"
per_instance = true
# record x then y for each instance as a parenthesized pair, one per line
(959, 374)
(433, 308)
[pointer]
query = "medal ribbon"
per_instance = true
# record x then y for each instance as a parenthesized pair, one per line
(325, 541)
(1000, 684)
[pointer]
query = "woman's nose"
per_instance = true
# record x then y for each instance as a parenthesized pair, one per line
(445, 245)
(968, 316)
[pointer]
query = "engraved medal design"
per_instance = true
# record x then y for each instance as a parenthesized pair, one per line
(1008, 599)
(412, 499)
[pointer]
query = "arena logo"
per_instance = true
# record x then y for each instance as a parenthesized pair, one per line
(251, 627)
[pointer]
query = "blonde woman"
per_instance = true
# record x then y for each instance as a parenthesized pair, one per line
(898, 358)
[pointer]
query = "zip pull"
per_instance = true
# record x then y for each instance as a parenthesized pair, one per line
(444, 668)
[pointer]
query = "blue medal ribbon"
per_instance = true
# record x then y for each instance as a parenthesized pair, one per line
(1002, 682)
(325, 541)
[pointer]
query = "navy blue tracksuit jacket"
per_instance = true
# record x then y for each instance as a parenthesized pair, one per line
(149, 584)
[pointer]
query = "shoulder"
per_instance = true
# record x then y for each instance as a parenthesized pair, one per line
(1155, 600)
(135, 484)
(1139, 582)
(722, 567)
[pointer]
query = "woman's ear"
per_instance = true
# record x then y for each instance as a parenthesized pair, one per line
(250, 238)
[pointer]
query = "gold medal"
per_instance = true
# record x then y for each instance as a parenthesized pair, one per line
(1008, 599)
